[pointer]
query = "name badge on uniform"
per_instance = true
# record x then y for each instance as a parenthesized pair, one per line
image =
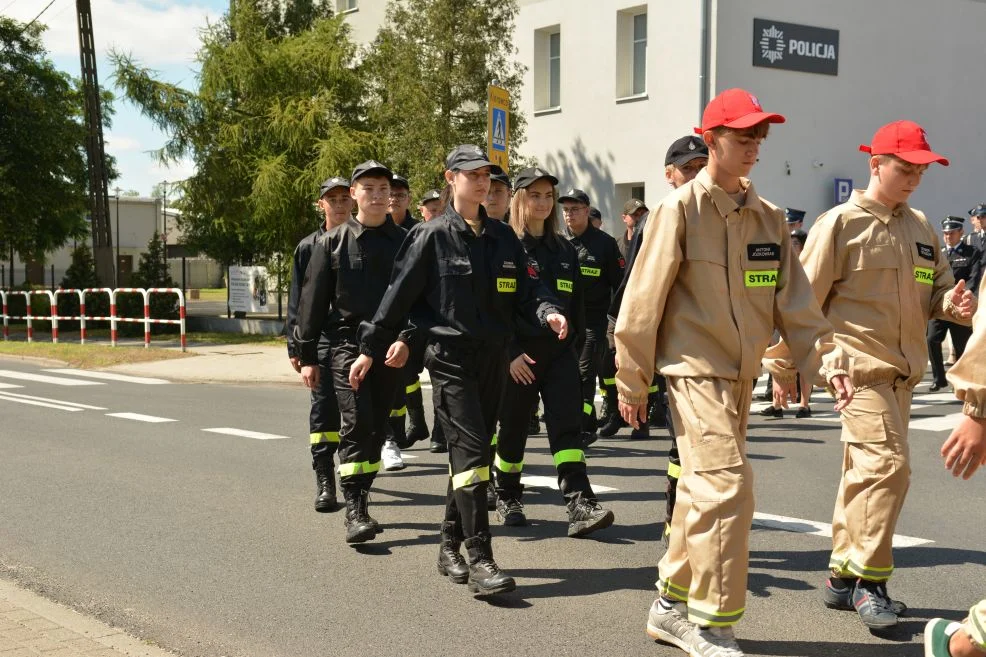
(760, 278)
(564, 286)
(591, 271)
(926, 251)
(763, 251)
(506, 285)
(924, 275)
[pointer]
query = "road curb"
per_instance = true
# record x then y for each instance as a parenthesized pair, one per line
(47, 362)
(94, 630)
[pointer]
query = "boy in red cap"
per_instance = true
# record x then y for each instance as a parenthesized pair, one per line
(876, 267)
(714, 276)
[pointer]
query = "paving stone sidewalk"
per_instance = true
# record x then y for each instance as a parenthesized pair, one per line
(31, 625)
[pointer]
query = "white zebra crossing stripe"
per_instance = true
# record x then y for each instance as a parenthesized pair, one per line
(140, 418)
(54, 401)
(110, 376)
(538, 481)
(243, 433)
(41, 378)
(811, 527)
(9, 386)
(33, 402)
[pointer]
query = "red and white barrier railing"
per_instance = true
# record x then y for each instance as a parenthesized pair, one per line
(82, 318)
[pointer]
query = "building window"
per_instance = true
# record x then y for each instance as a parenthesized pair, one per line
(547, 68)
(631, 52)
(346, 5)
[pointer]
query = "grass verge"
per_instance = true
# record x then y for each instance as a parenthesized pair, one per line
(88, 356)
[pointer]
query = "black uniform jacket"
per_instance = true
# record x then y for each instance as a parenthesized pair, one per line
(464, 288)
(966, 262)
(555, 263)
(601, 266)
(349, 271)
(302, 254)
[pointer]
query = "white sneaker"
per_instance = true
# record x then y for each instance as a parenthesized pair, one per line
(391, 456)
(714, 642)
(669, 626)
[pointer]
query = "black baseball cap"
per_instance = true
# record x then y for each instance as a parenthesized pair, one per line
(952, 222)
(526, 177)
(330, 184)
(594, 213)
(633, 205)
(430, 195)
(370, 168)
(685, 150)
(400, 181)
(576, 195)
(502, 178)
(978, 211)
(469, 157)
(793, 216)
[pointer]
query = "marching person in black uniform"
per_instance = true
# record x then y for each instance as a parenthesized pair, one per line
(601, 272)
(795, 219)
(596, 218)
(466, 276)
(349, 270)
(966, 263)
(541, 364)
(323, 419)
(428, 206)
(977, 236)
(498, 200)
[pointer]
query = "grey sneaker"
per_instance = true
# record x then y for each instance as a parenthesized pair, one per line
(391, 456)
(669, 626)
(714, 642)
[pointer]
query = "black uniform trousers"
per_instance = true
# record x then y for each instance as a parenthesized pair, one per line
(467, 381)
(937, 328)
(593, 352)
(408, 395)
(323, 419)
(364, 414)
(556, 378)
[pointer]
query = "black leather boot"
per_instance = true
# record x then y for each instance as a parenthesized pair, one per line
(485, 577)
(450, 561)
(438, 443)
(611, 422)
(325, 486)
(417, 426)
(359, 526)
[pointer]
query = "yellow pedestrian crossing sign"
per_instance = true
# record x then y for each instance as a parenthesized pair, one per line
(498, 127)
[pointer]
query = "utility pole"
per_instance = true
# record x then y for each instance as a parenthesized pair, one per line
(102, 234)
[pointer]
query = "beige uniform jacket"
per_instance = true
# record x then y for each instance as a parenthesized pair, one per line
(711, 282)
(968, 375)
(879, 275)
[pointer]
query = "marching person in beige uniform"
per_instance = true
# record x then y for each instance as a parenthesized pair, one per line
(716, 263)
(964, 453)
(877, 270)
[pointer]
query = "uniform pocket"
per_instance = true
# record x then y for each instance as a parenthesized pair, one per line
(863, 427)
(454, 282)
(714, 435)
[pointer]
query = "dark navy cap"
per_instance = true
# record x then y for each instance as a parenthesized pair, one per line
(430, 195)
(331, 184)
(794, 216)
(978, 211)
(400, 181)
(594, 213)
(529, 176)
(685, 150)
(800, 237)
(951, 222)
(370, 168)
(502, 178)
(633, 205)
(576, 195)
(469, 157)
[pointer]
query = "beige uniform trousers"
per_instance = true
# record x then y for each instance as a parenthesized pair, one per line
(875, 477)
(976, 625)
(706, 563)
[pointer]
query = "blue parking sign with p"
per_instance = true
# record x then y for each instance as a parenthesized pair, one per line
(843, 189)
(499, 129)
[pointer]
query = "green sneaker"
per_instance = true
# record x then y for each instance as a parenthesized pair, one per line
(937, 633)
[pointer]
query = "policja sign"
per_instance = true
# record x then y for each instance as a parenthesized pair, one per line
(498, 127)
(795, 47)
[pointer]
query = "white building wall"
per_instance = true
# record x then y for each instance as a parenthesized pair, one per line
(366, 20)
(898, 59)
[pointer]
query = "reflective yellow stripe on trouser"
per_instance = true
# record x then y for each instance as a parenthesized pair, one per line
(846, 566)
(674, 470)
(671, 590)
(361, 467)
(414, 387)
(569, 456)
(469, 477)
(494, 441)
(713, 618)
(399, 412)
(652, 389)
(587, 408)
(609, 382)
(506, 466)
(317, 437)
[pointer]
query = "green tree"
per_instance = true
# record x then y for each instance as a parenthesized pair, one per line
(430, 67)
(43, 176)
(152, 271)
(275, 114)
(81, 274)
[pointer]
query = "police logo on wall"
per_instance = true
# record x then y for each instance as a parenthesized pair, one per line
(795, 47)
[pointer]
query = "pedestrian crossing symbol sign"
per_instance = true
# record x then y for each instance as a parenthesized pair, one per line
(498, 137)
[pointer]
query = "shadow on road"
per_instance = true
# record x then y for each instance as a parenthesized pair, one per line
(576, 582)
(828, 649)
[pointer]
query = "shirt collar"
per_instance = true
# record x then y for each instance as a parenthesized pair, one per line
(530, 241)
(875, 208)
(388, 227)
(721, 200)
(457, 222)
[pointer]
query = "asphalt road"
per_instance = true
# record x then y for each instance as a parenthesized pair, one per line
(206, 543)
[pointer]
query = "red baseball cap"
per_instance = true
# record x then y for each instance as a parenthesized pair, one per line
(735, 108)
(905, 139)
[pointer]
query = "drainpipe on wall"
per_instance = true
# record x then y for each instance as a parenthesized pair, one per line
(704, 74)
